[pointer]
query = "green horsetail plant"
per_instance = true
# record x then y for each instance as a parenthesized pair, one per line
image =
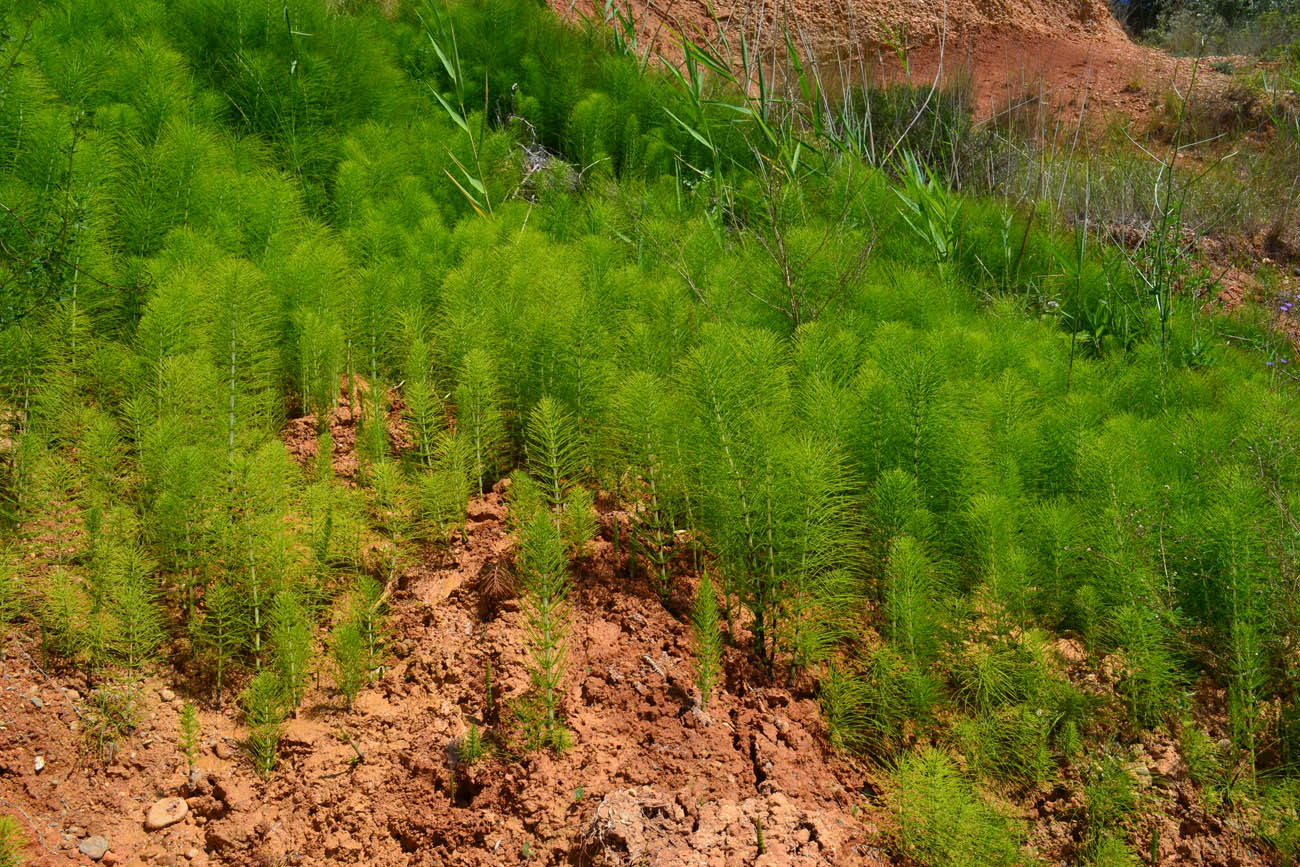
(817, 550)
(554, 454)
(472, 747)
(181, 519)
(442, 493)
(264, 712)
(323, 464)
(63, 613)
(1239, 555)
(737, 384)
(348, 649)
(894, 509)
(911, 602)
(138, 620)
(944, 822)
(707, 629)
(320, 363)
(372, 433)
(13, 843)
(370, 611)
(643, 417)
(424, 410)
(543, 575)
(1002, 563)
(187, 741)
(478, 414)
(257, 536)
(11, 595)
(555, 459)
(291, 635)
(1150, 673)
(241, 338)
(220, 634)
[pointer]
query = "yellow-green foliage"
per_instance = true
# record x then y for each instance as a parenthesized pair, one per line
(927, 422)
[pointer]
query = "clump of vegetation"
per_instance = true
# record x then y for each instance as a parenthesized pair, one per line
(12, 842)
(263, 702)
(112, 714)
(472, 746)
(708, 640)
(942, 821)
(907, 434)
(187, 740)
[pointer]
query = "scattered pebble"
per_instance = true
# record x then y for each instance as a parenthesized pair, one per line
(93, 848)
(164, 812)
(224, 750)
(39, 764)
(36, 701)
(167, 695)
(72, 695)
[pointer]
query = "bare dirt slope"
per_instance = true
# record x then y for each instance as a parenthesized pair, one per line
(1072, 53)
(649, 780)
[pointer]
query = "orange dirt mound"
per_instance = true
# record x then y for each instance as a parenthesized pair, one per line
(1070, 54)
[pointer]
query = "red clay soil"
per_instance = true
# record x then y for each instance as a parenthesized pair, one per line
(1071, 53)
(650, 779)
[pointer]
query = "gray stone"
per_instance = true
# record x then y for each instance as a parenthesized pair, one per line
(93, 848)
(36, 700)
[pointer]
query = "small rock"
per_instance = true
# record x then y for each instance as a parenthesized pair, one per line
(93, 848)
(224, 750)
(167, 695)
(36, 701)
(1224, 745)
(72, 695)
(192, 854)
(39, 764)
(167, 811)
(1141, 774)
